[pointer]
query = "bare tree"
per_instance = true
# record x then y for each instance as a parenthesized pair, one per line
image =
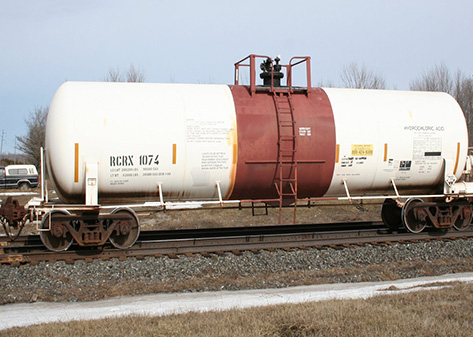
(436, 79)
(131, 75)
(114, 75)
(463, 93)
(31, 143)
(360, 77)
(325, 83)
(459, 86)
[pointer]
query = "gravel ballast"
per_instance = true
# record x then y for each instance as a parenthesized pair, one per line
(85, 281)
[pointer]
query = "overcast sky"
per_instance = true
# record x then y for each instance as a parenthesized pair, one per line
(46, 42)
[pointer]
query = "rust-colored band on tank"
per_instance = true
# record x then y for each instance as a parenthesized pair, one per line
(257, 162)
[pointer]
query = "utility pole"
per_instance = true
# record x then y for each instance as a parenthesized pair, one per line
(1, 147)
(15, 151)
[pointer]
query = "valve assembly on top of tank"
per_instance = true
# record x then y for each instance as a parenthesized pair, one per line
(266, 66)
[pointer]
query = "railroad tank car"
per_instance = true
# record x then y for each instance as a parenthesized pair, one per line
(272, 143)
(188, 137)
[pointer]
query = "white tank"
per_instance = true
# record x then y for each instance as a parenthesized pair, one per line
(404, 135)
(138, 133)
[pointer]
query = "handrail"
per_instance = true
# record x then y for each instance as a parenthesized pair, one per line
(301, 59)
(288, 67)
(252, 66)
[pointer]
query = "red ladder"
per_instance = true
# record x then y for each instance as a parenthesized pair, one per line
(285, 179)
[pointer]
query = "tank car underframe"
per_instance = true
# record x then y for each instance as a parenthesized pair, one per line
(92, 225)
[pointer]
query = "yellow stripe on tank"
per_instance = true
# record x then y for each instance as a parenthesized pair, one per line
(76, 162)
(174, 153)
(385, 151)
(456, 161)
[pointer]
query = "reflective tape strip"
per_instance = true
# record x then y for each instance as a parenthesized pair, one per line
(76, 162)
(337, 155)
(234, 153)
(174, 152)
(456, 161)
(385, 151)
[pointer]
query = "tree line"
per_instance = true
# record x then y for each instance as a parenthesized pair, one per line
(438, 78)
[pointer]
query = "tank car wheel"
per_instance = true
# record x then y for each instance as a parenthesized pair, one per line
(127, 231)
(409, 220)
(391, 214)
(464, 219)
(58, 238)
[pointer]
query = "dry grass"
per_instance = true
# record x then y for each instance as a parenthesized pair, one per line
(444, 312)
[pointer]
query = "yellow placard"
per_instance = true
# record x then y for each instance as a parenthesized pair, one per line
(358, 150)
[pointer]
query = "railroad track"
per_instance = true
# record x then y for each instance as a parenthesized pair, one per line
(172, 243)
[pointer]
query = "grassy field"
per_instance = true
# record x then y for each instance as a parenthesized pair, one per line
(443, 312)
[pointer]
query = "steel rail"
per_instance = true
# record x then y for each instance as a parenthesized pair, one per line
(29, 240)
(209, 241)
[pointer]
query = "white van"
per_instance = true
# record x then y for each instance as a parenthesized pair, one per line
(23, 177)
